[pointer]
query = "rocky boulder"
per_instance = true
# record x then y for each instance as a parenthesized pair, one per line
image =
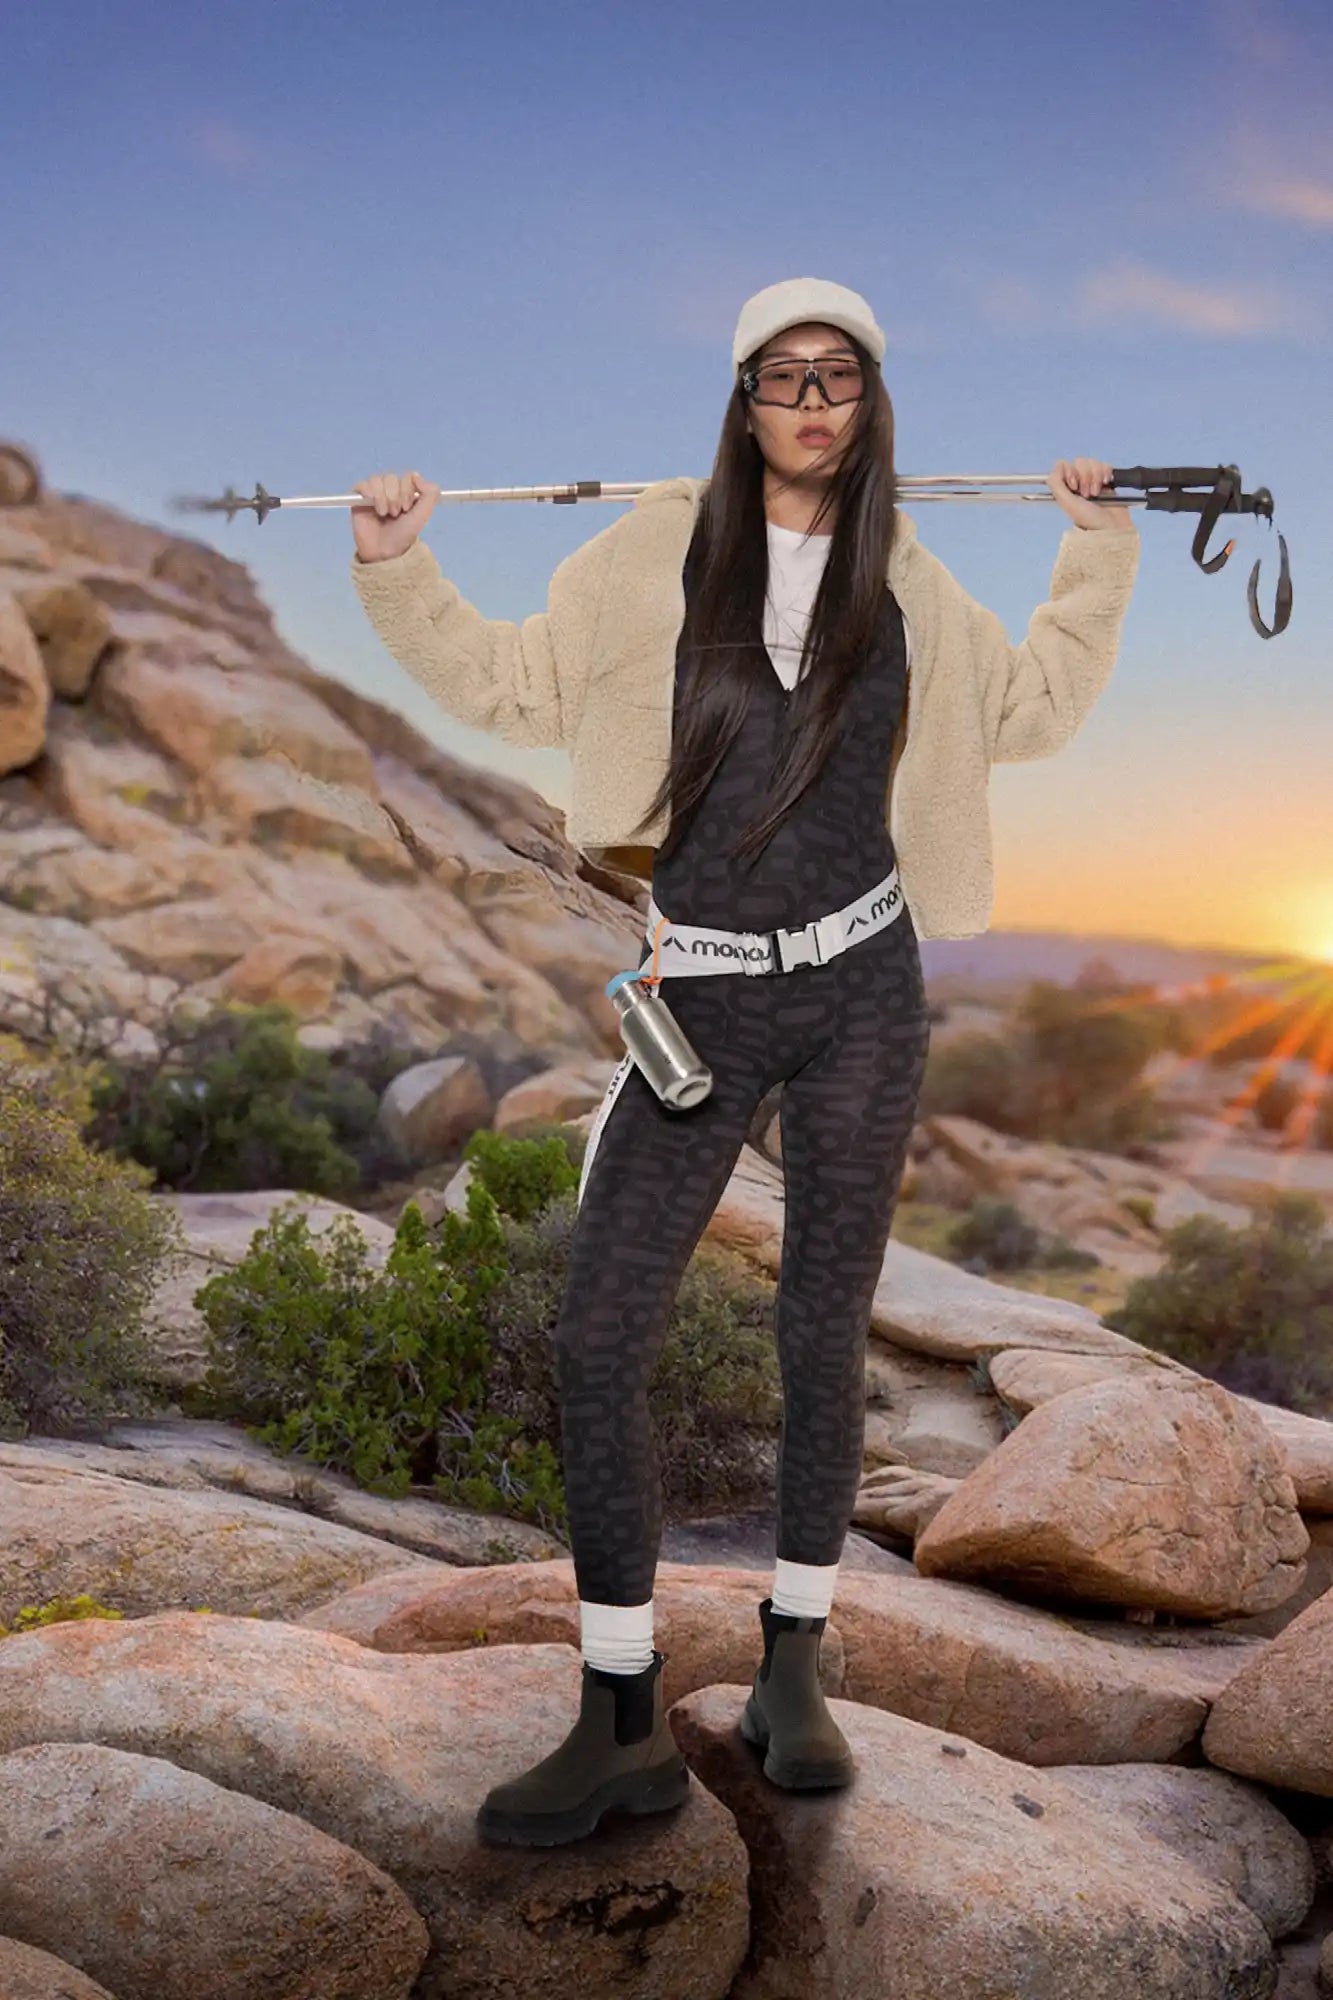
(155, 1880)
(1138, 1489)
(251, 827)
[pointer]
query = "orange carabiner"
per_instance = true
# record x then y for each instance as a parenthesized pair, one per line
(654, 978)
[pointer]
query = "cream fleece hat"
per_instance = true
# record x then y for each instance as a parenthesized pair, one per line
(795, 300)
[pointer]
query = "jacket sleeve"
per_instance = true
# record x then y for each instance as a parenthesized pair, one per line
(1035, 695)
(522, 682)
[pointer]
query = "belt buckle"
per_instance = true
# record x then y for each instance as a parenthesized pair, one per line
(816, 942)
(800, 940)
(755, 970)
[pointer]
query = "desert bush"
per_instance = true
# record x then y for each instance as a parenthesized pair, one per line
(977, 1075)
(237, 1101)
(573, 1138)
(373, 1061)
(995, 1232)
(1085, 1066)
(82, 1251)
(344, 1364)
(439, 1372)
(522, 1173)
(1058, 1253)
(1251, 1308)
(1068, 1071)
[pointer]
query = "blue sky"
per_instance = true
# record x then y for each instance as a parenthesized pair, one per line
(506, 245)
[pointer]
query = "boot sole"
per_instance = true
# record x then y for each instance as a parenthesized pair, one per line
(635, 1792)
(793, 1773)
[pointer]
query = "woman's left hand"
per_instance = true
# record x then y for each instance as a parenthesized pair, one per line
(1070, 478)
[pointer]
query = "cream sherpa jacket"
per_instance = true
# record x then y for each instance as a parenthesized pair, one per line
(594, 674)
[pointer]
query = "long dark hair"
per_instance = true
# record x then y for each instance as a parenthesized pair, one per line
(728, 565)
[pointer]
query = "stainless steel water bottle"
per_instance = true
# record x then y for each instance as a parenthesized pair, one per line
(658, 1044)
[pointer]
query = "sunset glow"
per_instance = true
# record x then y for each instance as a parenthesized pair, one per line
(1304, 997)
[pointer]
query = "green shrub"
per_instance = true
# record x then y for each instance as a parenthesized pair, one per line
(996, 1232)
(1086, 1064)
(574, 1138)
(1069, 1071)
(440, 1371)
(344, 1364)
(1059, 1254)
(1251, 1308)
(976, 1075)
(82, 1251)
(242, 1103)
(521, 1174)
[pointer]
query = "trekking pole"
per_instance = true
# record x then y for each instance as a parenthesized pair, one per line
(1209, 491)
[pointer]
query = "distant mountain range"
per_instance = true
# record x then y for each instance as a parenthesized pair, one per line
(1010, 958)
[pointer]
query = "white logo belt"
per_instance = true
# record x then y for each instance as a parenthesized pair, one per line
(696, 948)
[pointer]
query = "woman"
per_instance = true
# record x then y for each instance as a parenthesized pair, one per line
(763, 682)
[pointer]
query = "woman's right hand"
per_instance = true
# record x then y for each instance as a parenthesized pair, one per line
(404, 502)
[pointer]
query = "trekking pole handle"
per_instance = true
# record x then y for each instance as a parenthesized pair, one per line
(1168, 475)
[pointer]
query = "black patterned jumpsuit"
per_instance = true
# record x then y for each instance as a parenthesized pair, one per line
(848, 1042)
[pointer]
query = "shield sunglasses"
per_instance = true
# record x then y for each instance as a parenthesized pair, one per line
(840, 380)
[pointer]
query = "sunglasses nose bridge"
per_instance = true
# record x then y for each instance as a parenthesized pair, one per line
(813, 378)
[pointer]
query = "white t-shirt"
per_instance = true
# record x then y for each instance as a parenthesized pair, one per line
(795, 565)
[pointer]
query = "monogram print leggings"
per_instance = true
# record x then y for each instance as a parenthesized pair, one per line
(848, 1041)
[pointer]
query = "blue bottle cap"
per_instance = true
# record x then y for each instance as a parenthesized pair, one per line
(613, 986)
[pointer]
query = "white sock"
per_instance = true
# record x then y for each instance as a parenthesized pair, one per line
(617, 1637)
(803, 1590)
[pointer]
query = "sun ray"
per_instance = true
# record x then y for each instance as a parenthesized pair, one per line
(1300, 1123)
(1303, 980)
(1234, 1110)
